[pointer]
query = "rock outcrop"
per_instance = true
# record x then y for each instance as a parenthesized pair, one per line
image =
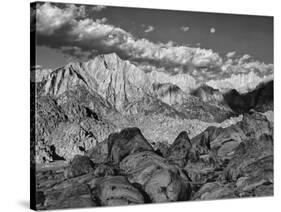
(108, 133)
(162, 181)
(80, 165)
(115, 190)
(119, 145)
(208, 94)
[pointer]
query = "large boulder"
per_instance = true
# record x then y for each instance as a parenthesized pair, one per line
(74, 195)
(119, 145)
(252, 165)
(222, 140)
(162, 181)
(214, 190)
(254, 124)
(115, 190)
(180, 149)
(80, 165)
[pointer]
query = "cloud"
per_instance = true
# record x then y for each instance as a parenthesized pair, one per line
(98, 8)
(70, 31)
(149, 29)
(50, 18)
(241, 82)
(102, 20)
(212, 30)
(244, 58)
(185, 28)
(230, 54)
(66, 27)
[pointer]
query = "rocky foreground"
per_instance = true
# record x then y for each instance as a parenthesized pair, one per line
(235, 161)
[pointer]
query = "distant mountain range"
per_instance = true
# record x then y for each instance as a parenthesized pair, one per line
(107, 94)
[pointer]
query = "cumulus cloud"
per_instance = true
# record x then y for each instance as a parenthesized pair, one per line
(244, 58)
(102, 20)
(89, 34)
(149, 29)
(50, 18)
(185, 28)
(230, 54)
(241, 73)
(241, 82)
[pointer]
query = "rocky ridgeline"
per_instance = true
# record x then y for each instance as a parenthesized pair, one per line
(130, 90)
(235, 161)
(80, 104)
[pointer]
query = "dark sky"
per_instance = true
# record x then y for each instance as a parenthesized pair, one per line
(251, 35)
(244, 34)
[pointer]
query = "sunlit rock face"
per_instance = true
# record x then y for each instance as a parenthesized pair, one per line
(118, 81)
(208, 94)
(168, 93)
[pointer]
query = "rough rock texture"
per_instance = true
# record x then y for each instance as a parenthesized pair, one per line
(129, 89)
(115, 190)
(124, 168)
(73, 196)
(78, 166)
(168, 93)
(214, 190)
(119, 145)
(108, 133)
(180, 150)
(208, 94)
(48, 115)
(162, 181)
(241, 162)
(70, 139)
(252, 164)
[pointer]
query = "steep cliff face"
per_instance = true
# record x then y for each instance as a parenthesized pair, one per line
(208, 94)
(168, 93)
(119, 83)
(115, 80)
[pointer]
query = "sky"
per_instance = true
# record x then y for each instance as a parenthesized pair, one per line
(203, 45)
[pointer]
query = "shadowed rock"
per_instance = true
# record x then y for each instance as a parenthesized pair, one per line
(180, 149)
(119, 145)
(214, 190)
(73, 196)
(162, 181)
(253, 160)
(104, 170)
(115, 190)
(78, 166)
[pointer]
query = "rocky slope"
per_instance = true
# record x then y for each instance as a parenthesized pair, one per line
(108, 133)
(123, 85)
(109, 94)
(125, 169)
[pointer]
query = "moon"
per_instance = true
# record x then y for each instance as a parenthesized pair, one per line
(212, 30)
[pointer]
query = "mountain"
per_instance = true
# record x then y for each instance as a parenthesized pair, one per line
(125, 87)
(168, 93)
(260, 99)
(88, 101)
(208, 94)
